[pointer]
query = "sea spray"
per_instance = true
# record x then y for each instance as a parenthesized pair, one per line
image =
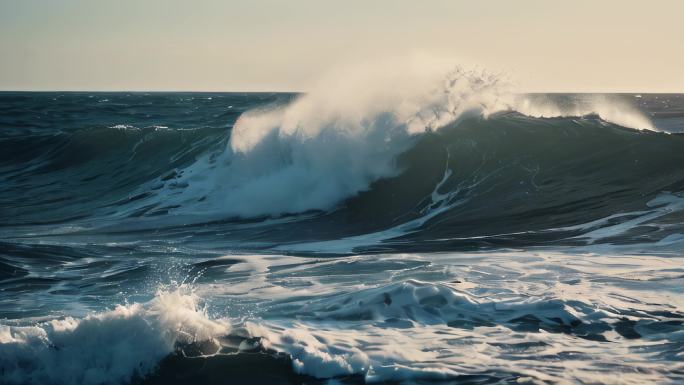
(111, 347)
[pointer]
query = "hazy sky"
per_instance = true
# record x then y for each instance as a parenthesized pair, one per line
(599, 45)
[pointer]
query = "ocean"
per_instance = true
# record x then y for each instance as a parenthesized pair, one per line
(276, 238)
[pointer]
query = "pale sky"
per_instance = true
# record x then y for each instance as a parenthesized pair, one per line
(278, 45)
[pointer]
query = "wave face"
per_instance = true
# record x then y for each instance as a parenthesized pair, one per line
(404, 226)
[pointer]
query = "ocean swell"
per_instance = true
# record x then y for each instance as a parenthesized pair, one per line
(335, 141)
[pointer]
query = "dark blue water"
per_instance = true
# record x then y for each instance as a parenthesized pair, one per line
(203, 237)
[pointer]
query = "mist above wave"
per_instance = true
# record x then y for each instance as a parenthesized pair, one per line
(334, 141)
(347, 132)
(610, 108)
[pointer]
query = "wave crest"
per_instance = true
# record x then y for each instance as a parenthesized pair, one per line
(335, 141)
(105, 348)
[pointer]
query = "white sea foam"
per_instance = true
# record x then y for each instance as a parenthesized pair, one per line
(125, 127)
(659, 208)
(518, 313)
(536, 315)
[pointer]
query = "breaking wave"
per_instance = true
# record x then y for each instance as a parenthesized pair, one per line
(379, 152)
(335, 141)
